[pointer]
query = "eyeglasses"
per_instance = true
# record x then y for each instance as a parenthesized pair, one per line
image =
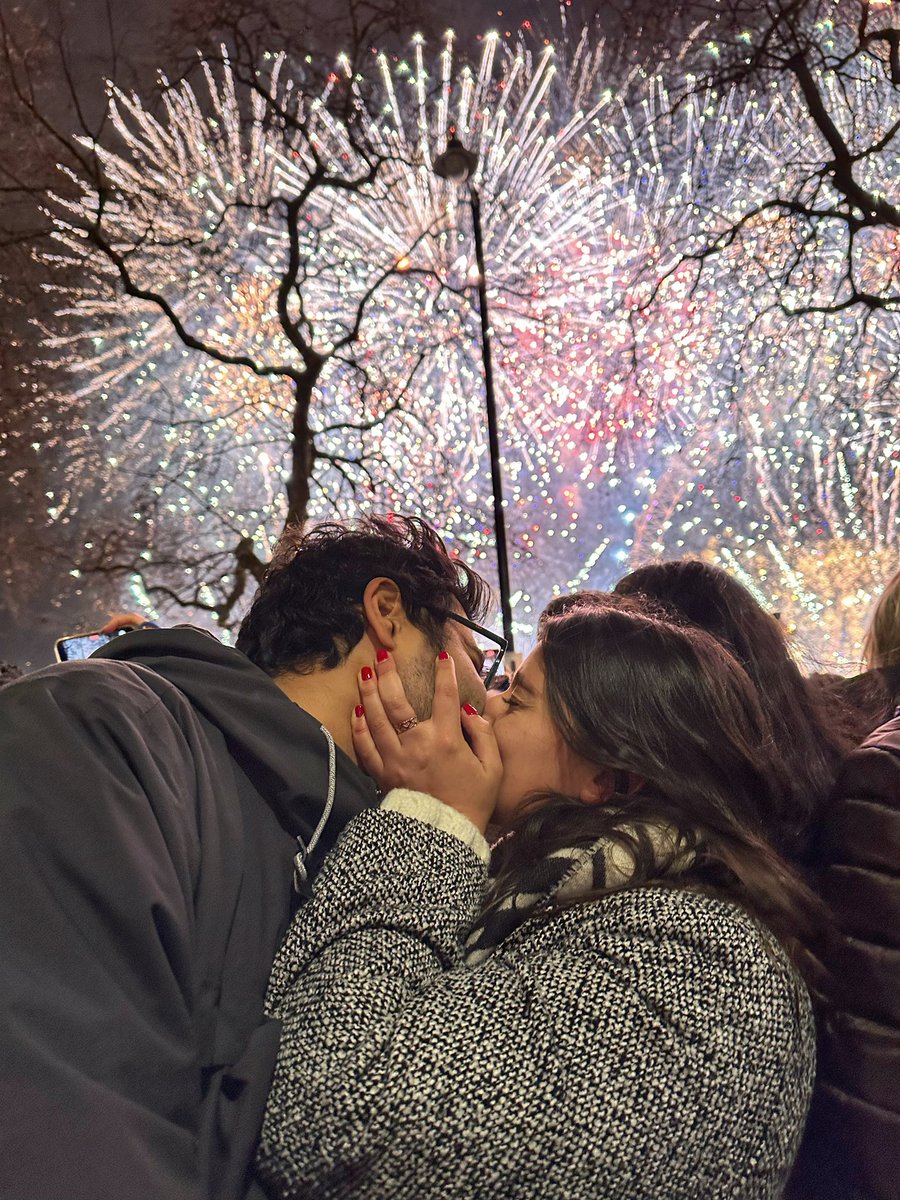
(492, 657)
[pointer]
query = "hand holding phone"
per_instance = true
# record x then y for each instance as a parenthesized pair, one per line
(124, 622)
(78, 646)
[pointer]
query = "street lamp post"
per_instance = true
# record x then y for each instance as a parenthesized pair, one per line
(457, 165)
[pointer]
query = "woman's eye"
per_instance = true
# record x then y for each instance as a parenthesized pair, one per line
(510, 701)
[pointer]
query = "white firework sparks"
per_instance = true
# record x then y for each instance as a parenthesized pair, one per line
(636, 416)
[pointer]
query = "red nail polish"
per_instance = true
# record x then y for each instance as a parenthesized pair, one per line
(366, 674)
(360, 711)
(473, 712)
(382, 656)
(443, 655)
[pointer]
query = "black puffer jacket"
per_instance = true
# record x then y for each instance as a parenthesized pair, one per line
(852, 1146)
(149, 810)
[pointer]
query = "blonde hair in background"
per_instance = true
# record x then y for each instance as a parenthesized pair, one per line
(881, 647)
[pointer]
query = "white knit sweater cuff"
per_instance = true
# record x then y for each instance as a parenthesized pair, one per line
(431, 811)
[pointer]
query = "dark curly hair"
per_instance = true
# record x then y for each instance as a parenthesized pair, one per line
(308, 614)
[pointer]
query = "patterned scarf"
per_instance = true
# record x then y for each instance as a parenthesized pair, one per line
(563, 875)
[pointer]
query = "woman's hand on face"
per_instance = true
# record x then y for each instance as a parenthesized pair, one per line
(430, 756)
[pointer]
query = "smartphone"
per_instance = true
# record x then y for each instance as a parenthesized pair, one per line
(82, 645)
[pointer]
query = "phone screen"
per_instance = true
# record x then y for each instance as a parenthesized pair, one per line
(81, 646)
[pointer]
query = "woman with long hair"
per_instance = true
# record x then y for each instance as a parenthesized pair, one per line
(867, 700)
(881, 648)
(619, 1010)
(852, 1142)
(813, 727)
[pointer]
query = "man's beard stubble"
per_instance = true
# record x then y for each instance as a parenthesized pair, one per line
(417, 678)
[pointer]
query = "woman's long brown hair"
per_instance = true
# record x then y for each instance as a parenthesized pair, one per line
(881, 647)
(812, 736)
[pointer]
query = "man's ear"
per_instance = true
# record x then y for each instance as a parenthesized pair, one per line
(609, 782)
(383, 610)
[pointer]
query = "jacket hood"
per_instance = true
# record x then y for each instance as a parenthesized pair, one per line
(281, 748)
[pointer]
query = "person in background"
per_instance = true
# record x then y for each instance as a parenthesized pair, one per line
(868, 699)
(875, 692)
(881, 648)
(618, 1009)
(852, 1143)
(164, 805)
(812, 737)
(851, 1150)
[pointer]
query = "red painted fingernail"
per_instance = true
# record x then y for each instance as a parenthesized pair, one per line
(443, 655)
(366, 674)
(382, 656)
(473, 712)
(360, 711)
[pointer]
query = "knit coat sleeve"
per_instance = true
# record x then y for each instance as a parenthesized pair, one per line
(382, 1067)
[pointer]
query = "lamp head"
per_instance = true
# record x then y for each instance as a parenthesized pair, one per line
(456, 164)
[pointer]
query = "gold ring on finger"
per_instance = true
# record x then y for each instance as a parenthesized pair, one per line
(405, 726)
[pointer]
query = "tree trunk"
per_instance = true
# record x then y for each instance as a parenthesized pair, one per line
(303, 449)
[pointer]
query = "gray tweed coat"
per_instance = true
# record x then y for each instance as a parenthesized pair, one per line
(654, 1045)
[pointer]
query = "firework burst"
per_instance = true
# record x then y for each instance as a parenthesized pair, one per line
(646, 407)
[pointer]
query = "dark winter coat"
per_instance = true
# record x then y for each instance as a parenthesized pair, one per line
(151, 798)
(653, 1045)
(852, 1146)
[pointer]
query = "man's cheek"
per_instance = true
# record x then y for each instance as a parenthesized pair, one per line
(474, 695)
